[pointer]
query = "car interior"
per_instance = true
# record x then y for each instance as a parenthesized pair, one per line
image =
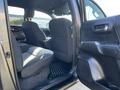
(43, 58)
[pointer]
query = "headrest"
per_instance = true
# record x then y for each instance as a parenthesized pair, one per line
(60, 27)
(29, 13)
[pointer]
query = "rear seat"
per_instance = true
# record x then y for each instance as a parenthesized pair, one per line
(32, 64)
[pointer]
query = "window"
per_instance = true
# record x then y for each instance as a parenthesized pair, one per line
(108, 6)
(63, 12)
(16, 15)
(93, 12)
(42, 19)
(69, 17)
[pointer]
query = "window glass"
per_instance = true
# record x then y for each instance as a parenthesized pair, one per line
(42, 19)
(92, 11)
(63, 12)
(108, 6)
(69, 17)
(16, 15)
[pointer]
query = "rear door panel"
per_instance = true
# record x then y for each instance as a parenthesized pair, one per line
(90, 33)
(99, 49)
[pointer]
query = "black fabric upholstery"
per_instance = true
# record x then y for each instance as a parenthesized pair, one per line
(29, 13)
(34, 81)
(32, 63)
(18, 33)
(34, 60)
(19, 36)
(34, 35)
(18, 54)
(62, 39)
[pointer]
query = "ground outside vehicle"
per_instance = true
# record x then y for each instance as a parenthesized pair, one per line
(86, 46)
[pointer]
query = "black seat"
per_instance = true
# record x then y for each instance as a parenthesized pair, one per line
(32, 64)
(62, 39)
(34, 35)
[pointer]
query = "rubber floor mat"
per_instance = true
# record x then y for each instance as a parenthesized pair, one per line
(58, 69)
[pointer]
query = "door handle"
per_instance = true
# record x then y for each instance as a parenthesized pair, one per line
(102, 28)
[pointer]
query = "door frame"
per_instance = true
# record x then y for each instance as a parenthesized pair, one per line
(7, 67)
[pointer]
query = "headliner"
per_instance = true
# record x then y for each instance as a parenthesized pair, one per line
(42, 5)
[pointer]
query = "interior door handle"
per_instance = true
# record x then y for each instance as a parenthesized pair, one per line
(102, 28)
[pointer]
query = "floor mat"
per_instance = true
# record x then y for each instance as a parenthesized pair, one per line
(59, 68)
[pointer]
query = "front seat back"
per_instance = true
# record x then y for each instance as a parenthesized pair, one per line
(62, 39)
(34, 35)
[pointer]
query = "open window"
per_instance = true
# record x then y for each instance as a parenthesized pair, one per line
(42, 19)
(93, 11)
(16, 15)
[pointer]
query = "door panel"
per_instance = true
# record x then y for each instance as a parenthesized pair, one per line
(100, 52)
(110, 36)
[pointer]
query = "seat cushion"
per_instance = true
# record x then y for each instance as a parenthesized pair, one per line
(34, 60)
(31, 82)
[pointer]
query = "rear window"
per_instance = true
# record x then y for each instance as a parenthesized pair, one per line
(16, 15)
(42, 19)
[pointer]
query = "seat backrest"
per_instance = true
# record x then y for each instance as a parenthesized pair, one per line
(62, 40)
(17, 53)
(34, 35)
